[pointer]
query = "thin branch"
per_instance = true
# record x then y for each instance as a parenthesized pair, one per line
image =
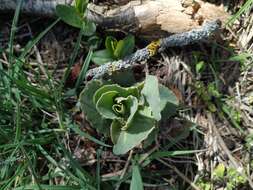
(180, 174)
(186, 38)
(125, 168)
(236, 164)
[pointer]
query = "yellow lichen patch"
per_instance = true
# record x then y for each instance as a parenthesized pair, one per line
(112, 69)
(153, 47)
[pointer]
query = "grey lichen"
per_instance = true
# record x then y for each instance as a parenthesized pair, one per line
(193, 36)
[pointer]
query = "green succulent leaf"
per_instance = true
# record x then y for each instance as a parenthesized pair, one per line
(132, 105)
(89, 28)
(169, 102)
(138, 130)
(81, 6)
(119, 108)
(124, 47)
(105, 104)
(123, 92)
(101, 57)
(152, 95)
(128, 114)
(111, 44)
(89, 108)
(69, 15)
(146, 112)
(115, 131)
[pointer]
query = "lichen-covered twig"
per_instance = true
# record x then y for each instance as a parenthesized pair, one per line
(186, 38)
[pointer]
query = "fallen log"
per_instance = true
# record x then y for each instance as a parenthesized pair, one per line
(151, 17)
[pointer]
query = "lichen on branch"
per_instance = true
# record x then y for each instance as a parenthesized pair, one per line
(186, 38)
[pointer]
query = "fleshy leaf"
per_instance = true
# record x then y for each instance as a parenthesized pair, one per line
(81, 6)
(115, 131)
(110, 44)
(69, 15)
(128, 139)
(89, 108)
(124, 47)
(89, 28)
(101, 57)
(105, 104)
(119, 108)
(146, 111)
(132, 105)
(123, 92)
(169, 102)
(151, 93)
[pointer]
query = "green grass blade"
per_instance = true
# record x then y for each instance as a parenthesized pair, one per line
(87, 180)
(31, 44)
(243, 9)
(48, 187)
(54, 162)
(13, 31)
(85, 135)
(18, 123)
(19, 170)
(26, 87)
(31, 167)
(72, 59)
(84, 69)
(99, 151)
(227, 111)
(136, 182)
(4, 172)
(161, 154)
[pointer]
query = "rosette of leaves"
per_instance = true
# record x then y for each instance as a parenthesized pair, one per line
(128, 115)
(114, 50)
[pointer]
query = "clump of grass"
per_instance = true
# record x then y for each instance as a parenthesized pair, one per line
(33, 122)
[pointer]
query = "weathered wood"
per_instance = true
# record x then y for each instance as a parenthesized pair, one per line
(150, 17)
(37, 7)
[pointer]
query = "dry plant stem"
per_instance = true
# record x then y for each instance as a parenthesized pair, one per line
(235, 163)
(118, 173)
(149, 17)
(222, 144)
(180, 174)
(186, 38)
(125, 168)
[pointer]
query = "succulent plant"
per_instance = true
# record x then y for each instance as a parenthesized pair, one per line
(127, 115)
